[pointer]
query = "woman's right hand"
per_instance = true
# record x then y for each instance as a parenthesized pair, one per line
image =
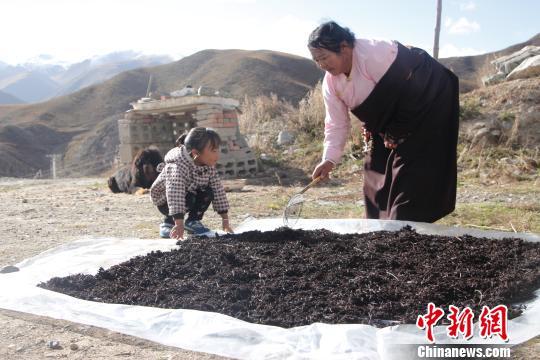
(177, 232)
(323, 170)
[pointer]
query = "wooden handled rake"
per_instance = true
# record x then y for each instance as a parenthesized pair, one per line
(293, 210)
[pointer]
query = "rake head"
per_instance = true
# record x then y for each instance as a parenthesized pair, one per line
(293, 210)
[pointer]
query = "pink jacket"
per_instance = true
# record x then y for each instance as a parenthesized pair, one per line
(371, 59)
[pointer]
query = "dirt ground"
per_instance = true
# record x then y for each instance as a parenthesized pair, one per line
(42, 214)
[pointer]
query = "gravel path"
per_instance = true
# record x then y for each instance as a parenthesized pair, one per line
(42, 214)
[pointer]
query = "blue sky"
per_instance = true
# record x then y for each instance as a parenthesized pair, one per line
(72, 30)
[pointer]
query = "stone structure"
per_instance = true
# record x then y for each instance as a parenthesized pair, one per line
(158, 123)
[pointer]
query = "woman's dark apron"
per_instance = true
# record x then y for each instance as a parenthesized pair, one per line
(416, 102)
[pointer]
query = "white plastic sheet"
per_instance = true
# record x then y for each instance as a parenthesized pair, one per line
(221, 334)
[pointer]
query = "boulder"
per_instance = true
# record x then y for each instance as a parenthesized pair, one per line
(493, 79)
(528, 68)
(285, 138)
(506, 64)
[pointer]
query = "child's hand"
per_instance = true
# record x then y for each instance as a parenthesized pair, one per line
(177, 232)
(226, 227)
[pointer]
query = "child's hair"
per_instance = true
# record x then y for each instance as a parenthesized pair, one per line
(198, 137)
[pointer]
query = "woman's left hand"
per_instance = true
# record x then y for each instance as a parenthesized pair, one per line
(392, 142)
(390, 145)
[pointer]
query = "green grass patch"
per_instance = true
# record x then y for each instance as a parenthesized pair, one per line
(507, 116)
(469, 109)
(496, 216)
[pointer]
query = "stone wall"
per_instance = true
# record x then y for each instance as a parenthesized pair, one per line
(159, 128)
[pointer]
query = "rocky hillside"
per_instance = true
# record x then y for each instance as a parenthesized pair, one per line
(471, 69)
(500, 131)
(506, 113)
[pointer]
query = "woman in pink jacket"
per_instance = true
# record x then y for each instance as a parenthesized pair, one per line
(408, 104)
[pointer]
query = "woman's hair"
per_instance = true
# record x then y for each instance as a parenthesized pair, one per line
(329, 36)
(198, 137)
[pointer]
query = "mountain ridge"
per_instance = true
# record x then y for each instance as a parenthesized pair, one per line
(40, 81)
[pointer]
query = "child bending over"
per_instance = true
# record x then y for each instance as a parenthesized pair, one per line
(188, 183)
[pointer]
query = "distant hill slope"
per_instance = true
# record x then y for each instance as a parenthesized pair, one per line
(238, 72)
(83, 124)
(242, 72)
(31, 86)
(471, 69)
(87, 73)
(6, 98)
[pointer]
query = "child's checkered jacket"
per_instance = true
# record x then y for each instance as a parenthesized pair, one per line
(181, 175)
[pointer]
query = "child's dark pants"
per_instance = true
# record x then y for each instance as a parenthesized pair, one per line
(196, 205)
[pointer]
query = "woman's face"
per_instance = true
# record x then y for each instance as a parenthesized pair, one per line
(334, 63)
(209, 156)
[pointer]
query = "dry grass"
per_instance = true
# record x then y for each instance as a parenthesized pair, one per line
(263, 117)
(308, 119)
(265, 114)
(498, 163)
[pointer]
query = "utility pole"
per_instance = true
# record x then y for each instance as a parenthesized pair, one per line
(149, 86)
(437, 30)
(53, 158)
